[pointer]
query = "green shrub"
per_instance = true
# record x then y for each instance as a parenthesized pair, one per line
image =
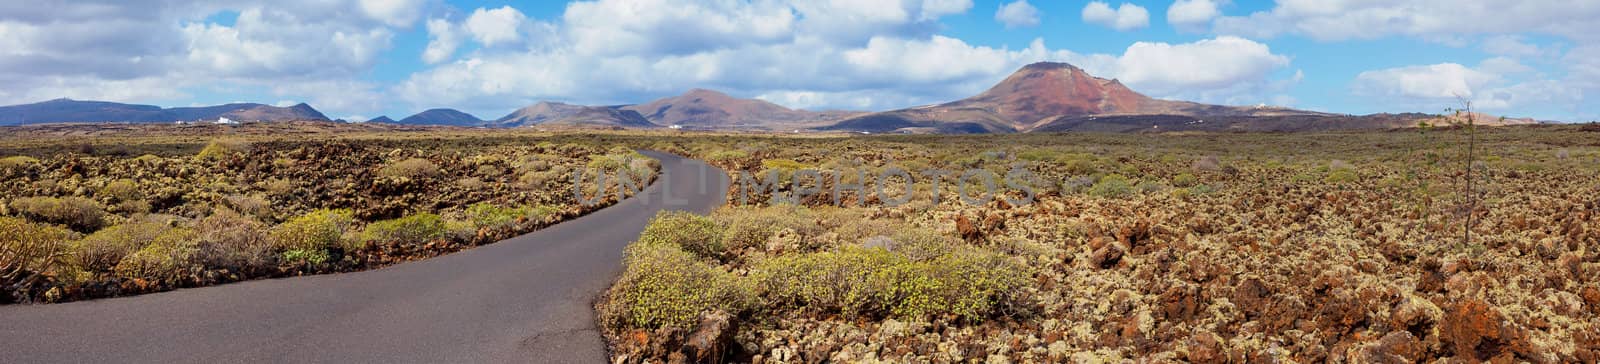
(167, 258)
(488, 215)
(250, 205)
(410, 168)
(233, 241)
(414, 229)
(302, 256)
(17, 161)
(219, 149)
(1341, 176)
(1111, 186)
(968, 283)
(316, 230)
(120, 190)
(1185, 180)
(750, 227)
(29, 247)
(692, 233)
(666, 286)
(102, 250)
(77, 213)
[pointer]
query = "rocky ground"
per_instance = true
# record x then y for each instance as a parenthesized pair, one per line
(1348, 247)
(97, 218)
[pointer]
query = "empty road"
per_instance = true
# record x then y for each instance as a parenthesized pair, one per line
(525, 299)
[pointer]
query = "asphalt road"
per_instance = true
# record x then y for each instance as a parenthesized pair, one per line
(525, 299)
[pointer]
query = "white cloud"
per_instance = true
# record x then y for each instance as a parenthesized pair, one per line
(164, 51)
(398, 13)
(1017, 14)
(1218, 70)
(1342, 20)
(1193, 15)
(495, 26)
(614, 26)
(1436, 81)
(1124, 18)
(1511, 45)
(443, 39)
(1491, 87)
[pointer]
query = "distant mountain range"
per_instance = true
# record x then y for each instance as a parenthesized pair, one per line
(67, 110)
(707, 109)
(1059, 97)
(1040, 97)
(558, 114)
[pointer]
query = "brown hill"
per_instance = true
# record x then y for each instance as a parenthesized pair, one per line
(558, 114)
(708, 109)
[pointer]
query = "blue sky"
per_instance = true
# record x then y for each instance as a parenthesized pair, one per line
(364, 58)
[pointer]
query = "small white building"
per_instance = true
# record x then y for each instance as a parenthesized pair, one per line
(226, 121)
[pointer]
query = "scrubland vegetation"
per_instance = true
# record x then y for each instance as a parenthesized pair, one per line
(1344, 247)
(120, 216)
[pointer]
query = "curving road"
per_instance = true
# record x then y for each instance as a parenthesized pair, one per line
(525, 299)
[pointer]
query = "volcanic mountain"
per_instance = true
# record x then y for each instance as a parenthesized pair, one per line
(707, 109)
(450, 117)
(381, 119)
(558, 114)
(68, 110)
(1055, 97)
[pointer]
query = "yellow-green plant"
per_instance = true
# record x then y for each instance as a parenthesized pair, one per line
(692, 233)
(167, 258)
(316, 230)
(78, 213)
(413, 229)
(666, 286)
(29, 247)
(410, 168)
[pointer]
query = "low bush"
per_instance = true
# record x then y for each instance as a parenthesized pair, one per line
(693, 233)
(1185, 180)
(666, 286)
(410, 168)
(219, 149)
(250, 205)
(120, 190)
(316, 230)
(1341, 176)
(229, 240)
(17, 161)
(167, 258)
(967, 283)
(488, 215)
(104, 249)
(413, 229)
(77, 213)
(750, 227)
(29, 247)
(1111, 186)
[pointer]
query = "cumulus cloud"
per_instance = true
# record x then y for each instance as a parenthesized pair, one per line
(443, 38)
(1492, 85)
(1124, 18)
(1017, 14)
(495, 26)
(1209, 64)
(399, 13)
(1193, 15)
(1435, 81)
